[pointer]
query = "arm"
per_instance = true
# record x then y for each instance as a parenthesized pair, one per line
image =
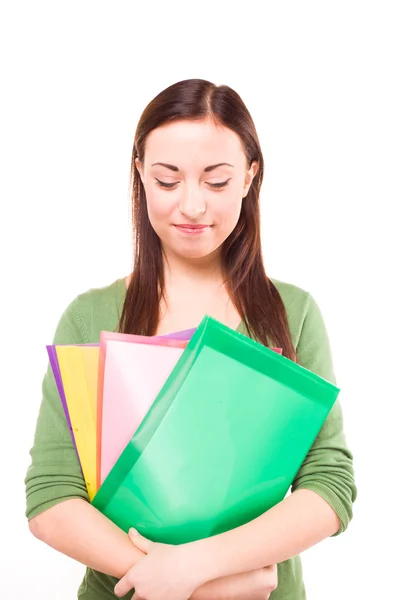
(323, 489)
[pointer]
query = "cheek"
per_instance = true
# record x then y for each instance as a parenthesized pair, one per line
(158, 207)
(228, 210)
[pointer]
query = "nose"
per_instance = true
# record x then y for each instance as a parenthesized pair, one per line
(191, 203)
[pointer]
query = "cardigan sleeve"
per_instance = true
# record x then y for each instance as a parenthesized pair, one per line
(54, 474)
(328, 466)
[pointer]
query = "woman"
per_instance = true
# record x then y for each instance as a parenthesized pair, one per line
(197, 170)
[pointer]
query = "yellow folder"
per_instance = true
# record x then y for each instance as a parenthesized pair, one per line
(79, 370)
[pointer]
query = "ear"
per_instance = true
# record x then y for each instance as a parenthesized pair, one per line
(139, 168)
(250, 174)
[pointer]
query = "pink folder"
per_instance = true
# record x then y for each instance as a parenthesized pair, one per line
(132, 370)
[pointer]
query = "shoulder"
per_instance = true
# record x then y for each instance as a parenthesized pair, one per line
(303, 312)
(91, 310)
(295, 298)
(290, 293)
(96, 296)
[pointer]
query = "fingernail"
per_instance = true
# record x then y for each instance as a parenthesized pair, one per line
(133, 531)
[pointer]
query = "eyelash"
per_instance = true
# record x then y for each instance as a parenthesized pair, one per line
(165, 185)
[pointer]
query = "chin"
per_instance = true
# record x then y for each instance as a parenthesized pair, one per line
(192, 253)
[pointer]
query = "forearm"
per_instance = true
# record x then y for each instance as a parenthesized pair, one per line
(231, 587)
(295, 524)
(77, 529)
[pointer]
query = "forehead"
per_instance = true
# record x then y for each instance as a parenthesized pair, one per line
(190, 144)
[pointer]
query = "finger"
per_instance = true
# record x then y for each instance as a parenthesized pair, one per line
(123, 586)
(140, 542)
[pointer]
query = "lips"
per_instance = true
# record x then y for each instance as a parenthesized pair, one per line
(192, 226)
(192, 229)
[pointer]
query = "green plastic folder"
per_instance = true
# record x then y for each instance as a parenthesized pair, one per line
(221, 443)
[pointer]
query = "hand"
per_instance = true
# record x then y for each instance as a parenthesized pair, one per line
(165, 573)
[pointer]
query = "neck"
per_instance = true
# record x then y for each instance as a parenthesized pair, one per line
(197, 270)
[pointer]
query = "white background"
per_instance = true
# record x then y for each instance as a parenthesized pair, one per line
(321, 81)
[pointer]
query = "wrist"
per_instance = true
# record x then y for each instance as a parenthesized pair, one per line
(201, 562)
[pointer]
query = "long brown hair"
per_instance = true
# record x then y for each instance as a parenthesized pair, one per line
(254, 296)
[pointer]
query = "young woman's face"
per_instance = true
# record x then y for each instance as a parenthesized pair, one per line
(195, 177)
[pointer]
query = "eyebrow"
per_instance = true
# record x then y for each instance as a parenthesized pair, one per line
(206, 170)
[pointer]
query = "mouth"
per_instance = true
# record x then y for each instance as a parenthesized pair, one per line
(192, 229)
